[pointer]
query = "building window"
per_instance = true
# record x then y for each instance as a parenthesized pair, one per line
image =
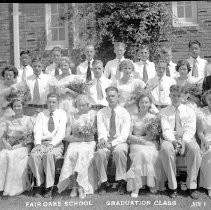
(184, 13)
(56, 29)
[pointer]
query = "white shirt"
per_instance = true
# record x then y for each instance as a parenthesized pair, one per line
(50, 70)
(122, 124)
(188, 122)
(201, 64)
(82, 68)
(41, 127)
(29, 71)
(111, 68)
(92, 91)
(160, 97)
(150, 66)
(173, 72)
(44, 82)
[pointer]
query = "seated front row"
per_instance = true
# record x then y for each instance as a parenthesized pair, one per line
(115, 132)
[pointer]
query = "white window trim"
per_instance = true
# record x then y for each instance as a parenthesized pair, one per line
(182, 22)
(50, 44)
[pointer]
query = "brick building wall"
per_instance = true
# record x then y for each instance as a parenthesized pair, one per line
(202, 33)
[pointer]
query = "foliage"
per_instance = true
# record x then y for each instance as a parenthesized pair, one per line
(133, 23)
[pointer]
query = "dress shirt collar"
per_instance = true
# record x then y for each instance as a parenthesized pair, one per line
(96, 79)
(122, 58)
(39, 76)
(162, 78)
(24, 67)
(142, 62)
(116, 108)
(86, 61)
(180, 108)
(53, 113)
(197, 59)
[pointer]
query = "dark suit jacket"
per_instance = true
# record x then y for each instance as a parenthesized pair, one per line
(207, 83)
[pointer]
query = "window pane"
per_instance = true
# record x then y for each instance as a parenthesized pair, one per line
(54, 20)
(187, 2)
(188, 12)
(53, 8)
(54, 34)
(61, 8)
(180, 12)
(61, 33)
(180, 3)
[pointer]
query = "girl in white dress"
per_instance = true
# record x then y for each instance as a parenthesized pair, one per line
(66, 96)
(14, 155)
(204, 133)
(143, 151)
(77, 172)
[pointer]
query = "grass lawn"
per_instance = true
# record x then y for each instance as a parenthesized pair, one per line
(97, 202)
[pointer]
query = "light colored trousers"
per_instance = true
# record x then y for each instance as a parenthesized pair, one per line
(41, 163)
(193, 160)
(120, 158)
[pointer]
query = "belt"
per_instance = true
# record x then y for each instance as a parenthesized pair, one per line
(44, 106)
(98, 106)
(161, 106)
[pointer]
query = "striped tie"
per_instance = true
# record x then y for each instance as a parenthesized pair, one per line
(51, 126)
(36, 92)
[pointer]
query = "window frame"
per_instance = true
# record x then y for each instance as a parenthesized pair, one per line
(49, 43)
(182, 22)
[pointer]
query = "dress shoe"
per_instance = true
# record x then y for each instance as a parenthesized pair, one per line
(48, 193)
(209, 193)
(122, 188)
(38, 193)
(153, 190)
(134, 193)
(172, 193)
(103, 188)
(193, 194)
(73, 193)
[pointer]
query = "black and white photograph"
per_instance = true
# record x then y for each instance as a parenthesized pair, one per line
(105, 105)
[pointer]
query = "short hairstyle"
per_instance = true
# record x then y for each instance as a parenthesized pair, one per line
(177, 88)
(126, 62)
(67, 60)
(183, 63)
(194, 42)
(165, 50)
(14, 100)
(81, 97)
(95, 62)
(143, 47)
(37, 59)
(10, 68)
(57, 48)
(119, 44)
(53, 95)
(25, 52)
(144, 95)
(111, 88)
(157, 62)
(89, 45)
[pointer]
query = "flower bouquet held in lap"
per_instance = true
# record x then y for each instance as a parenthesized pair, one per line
(153, 131)
(78, 85)
(84, 132)
(180, 144)
(194, 93)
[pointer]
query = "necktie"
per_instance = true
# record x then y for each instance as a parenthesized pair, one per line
(145, 75)
(24, 74)
(99, 90)
(195, 69)
(88, 73)
(51, 126)
(36, 92)
(160, 88)
(56, 71)
(112, 130)
(168, 73)
(178, 126)
(118, 73)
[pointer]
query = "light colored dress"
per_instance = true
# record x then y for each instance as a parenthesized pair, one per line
(205, 172)
(13, 163)
(144, 159)
(126, 93)
(183, 82)
(79, 157)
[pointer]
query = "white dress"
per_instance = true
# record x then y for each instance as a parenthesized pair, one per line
(79, 158)
(205, 172)
(66, 99)
(13, 163)
(144, 159)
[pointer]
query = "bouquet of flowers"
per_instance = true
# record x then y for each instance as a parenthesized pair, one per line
(194, 90)
(20, 92)
(180, 146)
(19, 138)
(85, 130)
(78, 85)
